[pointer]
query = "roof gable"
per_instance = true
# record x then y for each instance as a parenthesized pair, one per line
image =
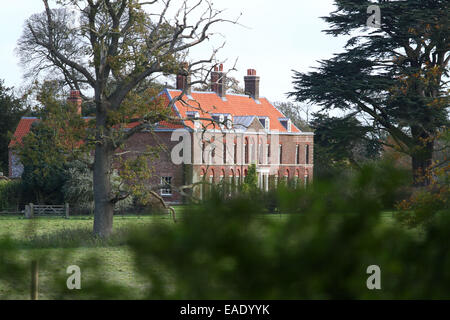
(22, 130)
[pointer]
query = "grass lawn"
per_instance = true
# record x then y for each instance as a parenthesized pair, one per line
(63, 242)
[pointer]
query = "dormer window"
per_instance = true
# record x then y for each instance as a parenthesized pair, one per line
(220, 120)
(216, 119)
(229, 122)
(265, 122)
(194, 115)
(286, 123)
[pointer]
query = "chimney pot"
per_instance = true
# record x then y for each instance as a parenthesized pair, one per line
(184, 79)
(75, 99)
(252, 84)
(218, 81)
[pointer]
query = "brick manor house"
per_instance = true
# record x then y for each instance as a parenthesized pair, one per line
(249, 128)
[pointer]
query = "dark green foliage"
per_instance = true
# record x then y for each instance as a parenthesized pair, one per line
(427, 204)
(251, 179)
(341, 144)
(394, 75)
(228, 249)
(11, 110)
(78, 186)
(10, 194)
(44, 166)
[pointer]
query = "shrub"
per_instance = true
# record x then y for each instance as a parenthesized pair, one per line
(10, 194)
(225, 250)
(425, 204)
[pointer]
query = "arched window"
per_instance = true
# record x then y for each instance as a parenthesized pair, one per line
(203, 151)
(277, 178)
(231, 181)
(307, 154)
(202, 186)
(281, 153)
(224, 151)
(213, 153)
(246, 147)
(260, 151)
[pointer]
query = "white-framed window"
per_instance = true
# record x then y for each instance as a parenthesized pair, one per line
(219, 120)
(224, 152)
(194, 115)
(265, 122)
(281, 153)
(286, 123)
(297, 154)
(166, 186)
(224, 121)
(307, 154)
(229, 123)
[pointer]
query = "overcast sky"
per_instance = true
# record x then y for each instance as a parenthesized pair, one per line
(279, 36)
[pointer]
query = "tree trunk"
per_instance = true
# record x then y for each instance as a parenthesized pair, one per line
(421, 163)
(103, 207)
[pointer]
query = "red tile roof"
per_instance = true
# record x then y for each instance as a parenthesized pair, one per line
(22, 130)
(209, 102)
(236, 105)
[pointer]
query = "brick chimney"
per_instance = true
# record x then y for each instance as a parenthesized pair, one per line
(183, 79)
(75, 99)
(252, 84)
(218, 81)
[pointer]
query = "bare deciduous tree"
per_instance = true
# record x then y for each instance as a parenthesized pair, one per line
(111, 47)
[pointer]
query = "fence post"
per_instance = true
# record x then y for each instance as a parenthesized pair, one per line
(34, 280)
(27, 212)
(31, 211)
(67, 211)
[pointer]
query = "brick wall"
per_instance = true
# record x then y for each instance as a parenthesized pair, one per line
(163, 166)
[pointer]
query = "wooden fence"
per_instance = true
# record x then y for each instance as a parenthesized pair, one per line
(33, 210)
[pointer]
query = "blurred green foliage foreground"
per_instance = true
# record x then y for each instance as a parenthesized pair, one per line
(229, 249)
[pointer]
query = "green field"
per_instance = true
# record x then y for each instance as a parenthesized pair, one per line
(68, 241)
